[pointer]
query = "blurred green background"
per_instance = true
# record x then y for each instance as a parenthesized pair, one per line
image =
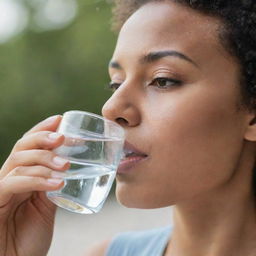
(53, 59)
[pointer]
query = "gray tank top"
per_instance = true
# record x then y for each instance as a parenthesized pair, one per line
(140, 243)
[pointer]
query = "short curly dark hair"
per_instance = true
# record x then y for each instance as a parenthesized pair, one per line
(237, 35)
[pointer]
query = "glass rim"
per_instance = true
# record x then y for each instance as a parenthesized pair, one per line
(97, 116)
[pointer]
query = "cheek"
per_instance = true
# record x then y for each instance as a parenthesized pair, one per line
(196, 145)
(194, 140)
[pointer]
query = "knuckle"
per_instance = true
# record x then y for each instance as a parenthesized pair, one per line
(13, 157)
(27, 133)
(39, 139)
(40, 135)
(45, 133)
(19, 143)
(35, 139)
(17, 171)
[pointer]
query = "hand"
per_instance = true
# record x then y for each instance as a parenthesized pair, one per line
(26, 215)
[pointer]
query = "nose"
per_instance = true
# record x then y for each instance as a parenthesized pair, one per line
(123, 108)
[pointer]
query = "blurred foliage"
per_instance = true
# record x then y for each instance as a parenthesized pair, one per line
(47, 73)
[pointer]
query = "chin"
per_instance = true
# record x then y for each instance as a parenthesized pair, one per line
(133, 199)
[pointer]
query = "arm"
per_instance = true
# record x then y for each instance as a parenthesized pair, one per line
(26, 215)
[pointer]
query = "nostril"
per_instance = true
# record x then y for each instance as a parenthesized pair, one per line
(121, 121)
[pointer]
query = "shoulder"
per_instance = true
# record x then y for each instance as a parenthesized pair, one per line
(99, 249)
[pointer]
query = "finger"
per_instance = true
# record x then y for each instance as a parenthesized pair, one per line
(36, 171)
(34, 157)
(23, 184)
(49, 124)
(39, 140)
(75, 142)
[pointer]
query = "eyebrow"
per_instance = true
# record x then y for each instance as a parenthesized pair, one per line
(155, 56)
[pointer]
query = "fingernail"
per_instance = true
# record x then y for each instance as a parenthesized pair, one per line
(60, 161)
(54, 136)
(54, 181)
(58, 174)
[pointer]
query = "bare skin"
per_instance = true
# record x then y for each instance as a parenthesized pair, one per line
(200, 146)
(26, 216)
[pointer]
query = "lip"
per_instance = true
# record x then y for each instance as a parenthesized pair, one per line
(128, 162)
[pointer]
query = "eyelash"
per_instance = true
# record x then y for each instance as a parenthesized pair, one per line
(166, 79)
(114, 86)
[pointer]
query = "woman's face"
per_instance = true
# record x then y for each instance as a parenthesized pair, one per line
(180, 109)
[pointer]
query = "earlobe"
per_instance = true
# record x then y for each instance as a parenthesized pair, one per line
(250, 133)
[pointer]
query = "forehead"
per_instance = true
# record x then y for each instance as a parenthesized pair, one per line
(168, 25)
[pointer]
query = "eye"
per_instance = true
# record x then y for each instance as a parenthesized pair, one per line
(113, 86)
(165, 83)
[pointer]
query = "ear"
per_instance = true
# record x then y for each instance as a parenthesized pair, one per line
(250, 132)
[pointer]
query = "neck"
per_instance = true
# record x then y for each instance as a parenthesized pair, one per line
(221, 222)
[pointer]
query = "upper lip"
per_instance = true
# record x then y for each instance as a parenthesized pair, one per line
(130, 149)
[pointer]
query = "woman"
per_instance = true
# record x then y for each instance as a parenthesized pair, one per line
(184, 91)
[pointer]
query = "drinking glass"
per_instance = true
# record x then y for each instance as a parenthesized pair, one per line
(94, 146)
